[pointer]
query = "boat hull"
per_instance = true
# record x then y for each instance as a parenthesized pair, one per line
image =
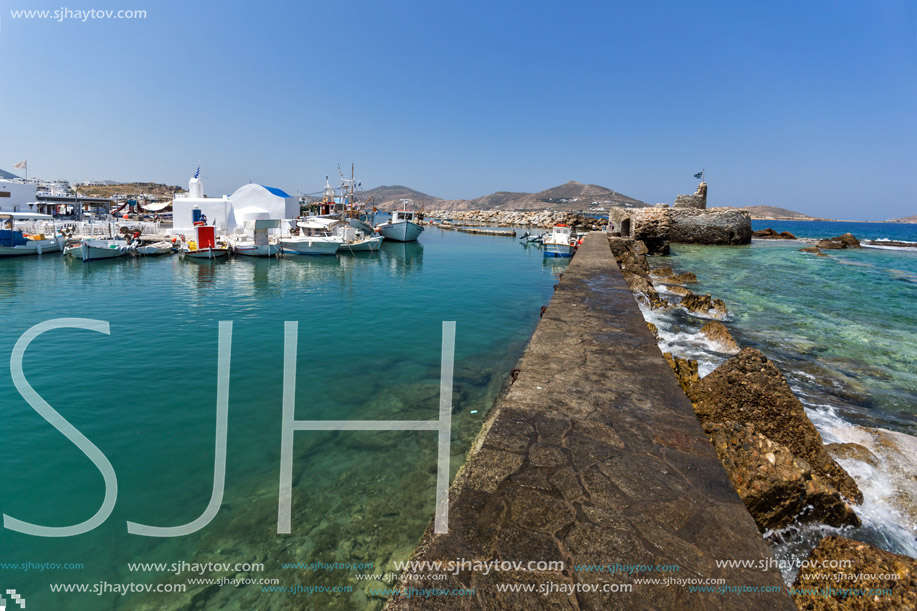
(250, 250)
(365, 245)
(403, 231)
(558, 250)
(310, 246)
(98, 250)
(153, 250)
(35, 247)
(207, 253)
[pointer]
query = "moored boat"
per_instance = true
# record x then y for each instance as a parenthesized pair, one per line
(205, 247)
(96, 250)
(259, 244)
(403, 226)
(315, 238)
(560, 243)
(14, 243)
(154, 249)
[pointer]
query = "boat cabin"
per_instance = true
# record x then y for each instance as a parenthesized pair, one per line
(401, 216)
(561, 234)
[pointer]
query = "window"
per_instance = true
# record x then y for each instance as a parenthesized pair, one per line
(4, 193)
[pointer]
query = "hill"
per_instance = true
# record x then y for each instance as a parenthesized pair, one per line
(568, 196)
(773, 213)
(905, 219)
(6, 175)
(386, 197)
(130, 189)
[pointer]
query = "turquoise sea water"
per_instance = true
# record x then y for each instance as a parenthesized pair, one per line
(369, 348)
(841, 328)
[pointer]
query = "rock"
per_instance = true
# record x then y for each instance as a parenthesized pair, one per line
(662, 272)
(642, 287)
(847, 240)
(842, 241)
(891, 243)
(720, 335)
(682, 278)
(653, 329)
(770, 234)
(852, 451)
(814, 250)
(777, 487)
(638, 248)
(685, 370)
(869, 568)
(678, 290)
(748, 388)
(704, 305)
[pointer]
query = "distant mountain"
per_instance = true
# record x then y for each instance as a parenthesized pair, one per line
(569, 196)
(905, 219)
(387, 197)
(6, 175)
(773, 213)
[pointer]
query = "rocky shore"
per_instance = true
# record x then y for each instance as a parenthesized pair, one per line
(775, 458)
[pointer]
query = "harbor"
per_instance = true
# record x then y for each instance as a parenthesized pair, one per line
(414, 306)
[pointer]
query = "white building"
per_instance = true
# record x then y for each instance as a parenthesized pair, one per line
(229, 213)
(16, 196)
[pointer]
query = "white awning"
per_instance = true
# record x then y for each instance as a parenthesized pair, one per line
(156, 207)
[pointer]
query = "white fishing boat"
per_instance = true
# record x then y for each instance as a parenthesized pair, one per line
(403, 226)
(73, 249)
(355, 240)
(315, 238)
(96, 250)
(205, 246)
(560, 243)
(14, 243)
(154, 249)
(259, 244)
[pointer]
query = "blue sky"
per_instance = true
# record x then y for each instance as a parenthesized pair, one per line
(806, 105)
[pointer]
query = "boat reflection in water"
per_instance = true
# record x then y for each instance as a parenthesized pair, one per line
(402, 257)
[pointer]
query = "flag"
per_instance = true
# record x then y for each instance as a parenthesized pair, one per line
(21, 165)
(699, 174)
(197, 172)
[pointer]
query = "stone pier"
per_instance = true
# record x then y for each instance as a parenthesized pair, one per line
(594, 457)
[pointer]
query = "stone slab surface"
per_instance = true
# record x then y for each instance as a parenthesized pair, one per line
(594, 457)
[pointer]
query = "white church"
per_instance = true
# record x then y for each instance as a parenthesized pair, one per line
(228, 213)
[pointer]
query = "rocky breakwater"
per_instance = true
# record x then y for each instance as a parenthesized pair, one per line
(515, 218)
(774, 456)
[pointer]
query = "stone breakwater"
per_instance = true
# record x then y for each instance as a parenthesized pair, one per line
(593, 456)
(509, 218)
(509, 233)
